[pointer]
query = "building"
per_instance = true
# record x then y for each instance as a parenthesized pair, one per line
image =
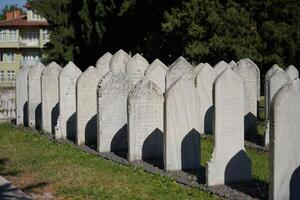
(22, 39)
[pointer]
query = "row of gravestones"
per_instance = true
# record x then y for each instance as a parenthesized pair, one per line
(7, 104)
(152, 112)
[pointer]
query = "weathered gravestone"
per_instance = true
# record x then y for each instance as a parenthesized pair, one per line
(50, 97)
(86, 115)
(136, 67)
(204, 83)
(233, 64)
(112, 112)
(180, 67)
(276, 81)
(249, 73)
(118, 61)
(292, 72)
(66, 125)
(229, 162)
(103, 63)
(198, 67)
(145, 129)
(156, 72)
(22, 96)
(220, 67)
(34, 96)
(284, 145)
(7, 103)
(182, 117)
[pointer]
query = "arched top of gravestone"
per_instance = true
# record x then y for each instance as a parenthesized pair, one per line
(114, 82)
(36, 70)
(136, 63)
(103, 63)
(118, 61)
(272, 70)
(23, 71)
(221, 67)
(154, 65)
(206, 72)
(69, 70)
(292, 72)
(198, 67)
(52, 67)
(145, 89)
(91, 74)
(233, 64)
(229, 79)
(185, 81)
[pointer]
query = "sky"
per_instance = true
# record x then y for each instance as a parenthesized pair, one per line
(20, 3)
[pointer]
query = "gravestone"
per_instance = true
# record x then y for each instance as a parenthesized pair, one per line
(292, 72)
(284, 145)
(34, 96)
(66, 126)
(7, 103)
(276, 81)
(112, 112)
(249, 73)
(87, 85)
(136, 67)
(182, 117)
(103, 63)
(180, 67)
(233, 64)
(204, 83)
(145, 122)
(220, 67)
(118, 61)
(267, 77)
(198, 67)
(22, 96)
(50, 97)
(156, 72)
(229, 162)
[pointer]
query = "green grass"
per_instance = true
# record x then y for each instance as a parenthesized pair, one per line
(37, 165)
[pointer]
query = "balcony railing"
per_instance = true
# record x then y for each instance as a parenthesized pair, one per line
(5, 82)
(29, 62)
(24, 43)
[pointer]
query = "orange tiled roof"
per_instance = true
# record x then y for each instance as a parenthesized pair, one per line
(21, 22)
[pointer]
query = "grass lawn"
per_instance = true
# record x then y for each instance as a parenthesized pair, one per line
(38, 166)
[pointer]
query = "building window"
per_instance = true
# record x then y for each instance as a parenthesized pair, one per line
(1, 75)
(45, 35)
(9, 57)
(31, 55)
(36, 16)
(8, 35)
(10, 75)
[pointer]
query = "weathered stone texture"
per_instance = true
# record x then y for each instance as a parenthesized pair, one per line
(50, 94)
(204, 83)
(112, 112)
(182, 117)
(156, 72)
(284, 144)
(7, 103)
(179, 68)
(102, 64)
(66, 126)
(34, 96)
(233, 64)
(22, 96)
(136, 67)
(229, 162)
(220, 67)
(118, 61)
(292, 72)
(145, 133)
(86, 116)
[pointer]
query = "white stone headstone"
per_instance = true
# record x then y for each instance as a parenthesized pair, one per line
(198, 67)
(118, 61)
(249, 73)
(112, 112)
(22, 96)
(66, 126)
(156, 72)
(182, 126)
(276, 81)
(179, 68)
(204, 83)
(50, 97)
(292, 72)
(233, 64)
(34, 96)
(229, 162)
(136, 67)
(86, 116)
(103, 63)
(145, 122)
(284, 145)
(220, 67)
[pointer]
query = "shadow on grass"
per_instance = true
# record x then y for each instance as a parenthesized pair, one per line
(31, 187)
(3, 171)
